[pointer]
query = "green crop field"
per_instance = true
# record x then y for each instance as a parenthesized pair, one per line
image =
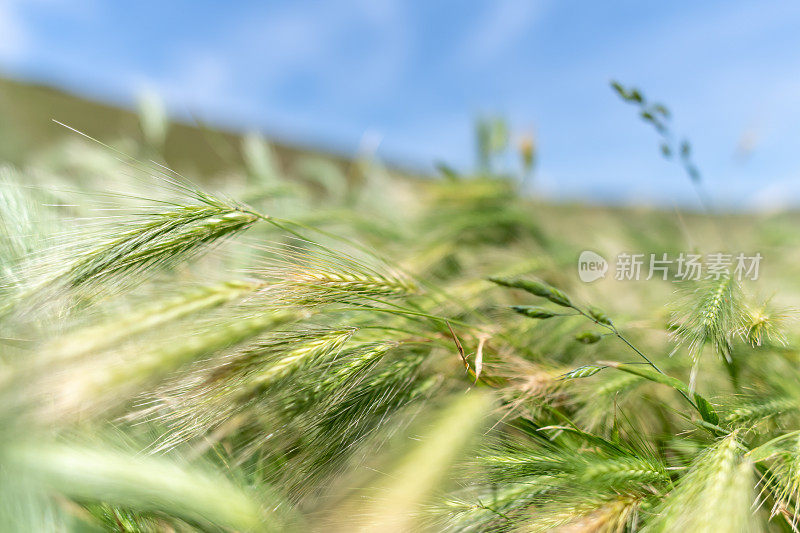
(206, 331)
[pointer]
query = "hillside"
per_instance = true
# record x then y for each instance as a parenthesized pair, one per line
(27, 111)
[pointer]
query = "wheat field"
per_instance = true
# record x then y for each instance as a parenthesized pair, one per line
(320, 346)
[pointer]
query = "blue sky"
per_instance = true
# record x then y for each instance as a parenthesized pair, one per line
(412, 76)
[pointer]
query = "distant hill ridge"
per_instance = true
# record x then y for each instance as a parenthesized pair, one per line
(27, 111)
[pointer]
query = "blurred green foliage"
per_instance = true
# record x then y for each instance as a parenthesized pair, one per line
(297, 341)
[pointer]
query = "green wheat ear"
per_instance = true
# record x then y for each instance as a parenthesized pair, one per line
(98, 337)
(305, 353)
(310, 274)
(162, 239)
(398, 502)
(766, 324)
(711, 313)
(89, 386)
(723, 479)
(125, 255)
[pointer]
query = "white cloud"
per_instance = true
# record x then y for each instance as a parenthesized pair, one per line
(17, 40)
(295, 41)
(14, 38)
(199, 83)
(202, 76)
(498, 30)
(255, 57)
(776, 196)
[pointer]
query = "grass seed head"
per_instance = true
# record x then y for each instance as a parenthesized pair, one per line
(536, 288)
(534, 312)
(588, 337)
